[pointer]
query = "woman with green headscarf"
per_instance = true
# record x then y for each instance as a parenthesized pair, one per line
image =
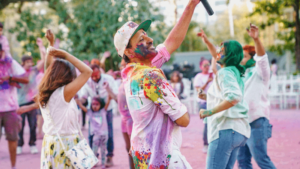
(226, 113)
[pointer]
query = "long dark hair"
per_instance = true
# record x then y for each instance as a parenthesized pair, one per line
(58, 74)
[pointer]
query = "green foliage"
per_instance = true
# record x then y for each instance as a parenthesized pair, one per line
(94, 23)
(28, 28)
(191, 41)
(275, 13)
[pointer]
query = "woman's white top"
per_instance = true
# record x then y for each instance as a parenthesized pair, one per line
(64, 115)
(226, 87)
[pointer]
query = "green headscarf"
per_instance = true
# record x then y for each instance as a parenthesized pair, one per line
(233, 55)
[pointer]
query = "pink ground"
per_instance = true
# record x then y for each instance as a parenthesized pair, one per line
(283, 147)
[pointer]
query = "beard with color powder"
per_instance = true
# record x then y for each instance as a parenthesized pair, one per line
(145, 52)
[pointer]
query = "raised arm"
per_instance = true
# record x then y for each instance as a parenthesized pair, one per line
(210, 46)
(177, 35)
(103, 59)
(42, 49)
(254, 34)
(51, 38)
(72, 88)
(214, 66)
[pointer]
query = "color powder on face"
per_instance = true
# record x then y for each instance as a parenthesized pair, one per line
(143, 52)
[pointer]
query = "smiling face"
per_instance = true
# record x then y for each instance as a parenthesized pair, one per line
(141, 47)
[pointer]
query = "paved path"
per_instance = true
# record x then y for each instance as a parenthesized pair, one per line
(283, 147)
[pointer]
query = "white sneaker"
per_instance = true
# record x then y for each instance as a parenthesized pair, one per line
(19, 150)
(204, 150)
(33, 150)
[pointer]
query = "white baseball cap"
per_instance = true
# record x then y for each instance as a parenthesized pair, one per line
(125, 33)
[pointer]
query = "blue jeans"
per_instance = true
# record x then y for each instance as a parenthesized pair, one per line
(110, 141)
(222, 152)
(32, 121)
(256, 146)
(202, 105)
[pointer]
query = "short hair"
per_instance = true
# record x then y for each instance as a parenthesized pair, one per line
(94, 66)
(25, 58)
(1, 25)
(99, 100)
(250, 49)
(126, 58)
(274, 61)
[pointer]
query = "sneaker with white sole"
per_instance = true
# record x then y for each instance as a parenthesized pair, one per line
(33, 150)
(205, 148)
(19, 150)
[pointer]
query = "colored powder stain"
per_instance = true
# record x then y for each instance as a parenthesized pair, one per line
(135, 89)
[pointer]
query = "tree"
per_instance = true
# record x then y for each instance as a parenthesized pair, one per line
(289, 28)
(91, 25)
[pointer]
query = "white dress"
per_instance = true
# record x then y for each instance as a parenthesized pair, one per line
(65, 122)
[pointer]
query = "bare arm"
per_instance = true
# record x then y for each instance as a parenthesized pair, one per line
(214, 66)
(18, 79)
(82, 107)
(42, 53)
(224, 105)
(184, 120)
(51, 38)
(254, 34)
(209, 45)
(72, 88)
(177, 35)
(107, 103)
(27, 108)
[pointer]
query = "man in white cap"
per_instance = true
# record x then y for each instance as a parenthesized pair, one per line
(156, 111)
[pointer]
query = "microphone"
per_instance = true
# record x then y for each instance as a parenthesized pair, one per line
(207, 7)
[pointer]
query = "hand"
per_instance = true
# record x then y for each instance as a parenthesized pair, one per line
(50, 36)
(253, 31)
(205, 113)
(203, 36)
(106, 54)
(39, 42)
(106, 86)
(53, 52)
(3, 79)
(21, 110)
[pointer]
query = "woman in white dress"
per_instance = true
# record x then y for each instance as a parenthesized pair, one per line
(57, 104)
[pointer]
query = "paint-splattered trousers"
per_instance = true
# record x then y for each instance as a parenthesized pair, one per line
(256, 146)
(100, 141)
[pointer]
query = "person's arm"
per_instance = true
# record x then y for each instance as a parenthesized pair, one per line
(42, 49)
(51, 38)
(81, 106)
(72, 88)
(107, 103)
(177, 35)
(18, 79)
(210, 46)
(27, 108)
(103, 59)
(214, 66)
(230, 91)
(18, 74)
(164, 96)
(184, 120)
(262, 62)
(254, 34)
